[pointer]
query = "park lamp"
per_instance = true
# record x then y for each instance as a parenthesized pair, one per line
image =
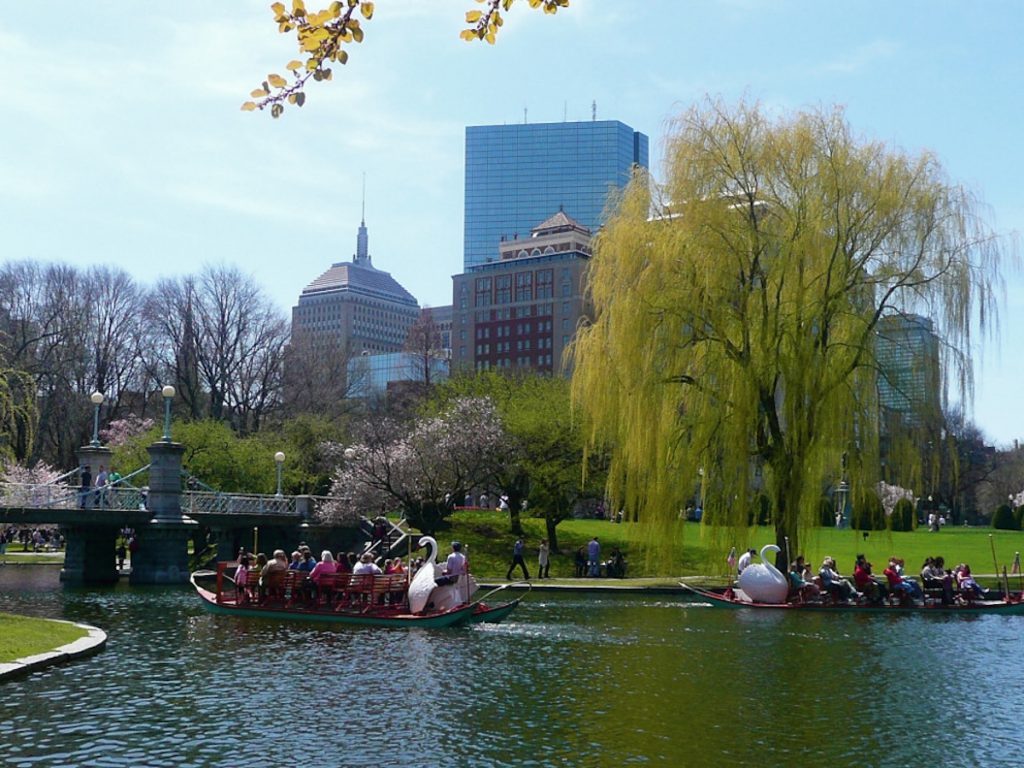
(279, 458)
(97, 401)
(168, 393)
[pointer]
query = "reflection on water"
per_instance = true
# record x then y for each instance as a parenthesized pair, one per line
(574, 680)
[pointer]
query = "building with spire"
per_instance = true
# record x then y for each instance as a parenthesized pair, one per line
(354, 308)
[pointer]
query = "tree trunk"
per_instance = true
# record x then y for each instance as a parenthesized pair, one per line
(549, 525)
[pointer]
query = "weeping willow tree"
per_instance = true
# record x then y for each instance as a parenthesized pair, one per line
(18, 413)
(733, 348)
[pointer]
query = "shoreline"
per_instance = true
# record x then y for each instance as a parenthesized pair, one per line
(91, 644)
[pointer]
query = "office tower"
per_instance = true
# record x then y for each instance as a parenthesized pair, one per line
(521, 309)
(354, 308)
(909, 384)
(516, 175)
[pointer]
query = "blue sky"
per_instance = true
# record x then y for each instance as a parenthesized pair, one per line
(123, 143)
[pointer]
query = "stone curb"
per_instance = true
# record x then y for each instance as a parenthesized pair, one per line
(89, 645)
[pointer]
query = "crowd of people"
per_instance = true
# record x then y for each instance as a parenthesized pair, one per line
(935, 581)
(41, 539)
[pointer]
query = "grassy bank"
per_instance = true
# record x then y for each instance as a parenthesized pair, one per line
(489, 540)
(22, 636)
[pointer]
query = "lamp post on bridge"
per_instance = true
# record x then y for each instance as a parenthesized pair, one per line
(97, 400)
(279, 459)
(168, 393)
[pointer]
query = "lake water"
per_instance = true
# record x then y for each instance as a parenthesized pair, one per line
(575, 680)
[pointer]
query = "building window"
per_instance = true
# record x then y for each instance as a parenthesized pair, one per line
(483, 291)
(545, 281)
(503, 289)
(524, 286)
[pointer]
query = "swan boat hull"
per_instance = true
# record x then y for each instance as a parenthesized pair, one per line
(727, 597)
(373, 617)
(492, 614)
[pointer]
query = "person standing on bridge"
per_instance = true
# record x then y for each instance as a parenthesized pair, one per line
(86, 485)
(101, 488)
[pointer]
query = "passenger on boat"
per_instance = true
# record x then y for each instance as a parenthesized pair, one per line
(834, 584)
(296, 561)
(799, 587)
(308, 561)
(745, 559)
(865, 582)
(366, 565)
(326, 567)
(344, 562)
(935, 576)
(969, 588)
(455, 565)
(906, 588)
(241, 576)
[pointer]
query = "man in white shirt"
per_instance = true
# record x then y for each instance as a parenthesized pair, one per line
(455, 565)
(745, 560)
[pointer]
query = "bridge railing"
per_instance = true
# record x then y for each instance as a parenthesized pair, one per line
(38, 496)
(236, 503)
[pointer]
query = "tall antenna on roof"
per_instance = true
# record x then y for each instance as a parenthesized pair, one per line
(565, 111)
(364, 198)
(524, 115)
(593, 110)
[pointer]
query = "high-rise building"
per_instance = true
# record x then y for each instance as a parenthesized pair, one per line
(909, 383)
(516, 175)
(521, 309)
(355, 308)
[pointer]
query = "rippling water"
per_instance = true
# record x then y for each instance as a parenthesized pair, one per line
(582, 680)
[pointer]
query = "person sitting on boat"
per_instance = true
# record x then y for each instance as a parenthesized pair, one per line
(366, 566)
(865, 582)
(241, 577)
(326, 567)
(308, 561)
(969, 588)
(272, 574)
(745, 559)
(296, 561)
(935, 576)
(906, 588)
(834, 584)
(455, 565)
(799, 587)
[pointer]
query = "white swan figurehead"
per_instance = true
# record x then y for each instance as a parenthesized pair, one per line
(424, 592)
(763, 582)
(423, 582)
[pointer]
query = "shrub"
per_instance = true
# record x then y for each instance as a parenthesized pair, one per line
(1003, 519)
(903, 517)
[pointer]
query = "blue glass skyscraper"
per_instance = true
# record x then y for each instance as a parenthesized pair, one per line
(517, 175)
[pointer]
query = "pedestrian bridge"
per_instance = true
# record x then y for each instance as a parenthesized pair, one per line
(65, 505)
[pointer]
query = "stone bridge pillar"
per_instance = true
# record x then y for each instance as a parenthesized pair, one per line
(89, 557)
(162, 554)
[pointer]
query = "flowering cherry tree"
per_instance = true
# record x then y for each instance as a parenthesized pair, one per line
(891, 494)
(120, 431)
(421, 467)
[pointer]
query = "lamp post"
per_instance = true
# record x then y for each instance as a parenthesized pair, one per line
(841, 493)
(168, 393)
(279, 458)
(97, 401)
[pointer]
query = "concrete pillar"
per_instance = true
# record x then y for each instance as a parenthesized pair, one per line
(162, 554)
(90, 555)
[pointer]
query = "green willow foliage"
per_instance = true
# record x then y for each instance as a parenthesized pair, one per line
(18, 413)
(734, 331)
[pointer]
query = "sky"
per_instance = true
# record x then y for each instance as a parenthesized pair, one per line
(122, 141)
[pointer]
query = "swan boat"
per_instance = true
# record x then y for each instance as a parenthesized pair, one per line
(762, 585)
(731, 597)
(429, 600)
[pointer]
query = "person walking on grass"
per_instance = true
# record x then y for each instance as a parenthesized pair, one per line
(517, 559)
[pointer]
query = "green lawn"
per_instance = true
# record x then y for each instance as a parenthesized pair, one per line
(22, 636)
(690, 552)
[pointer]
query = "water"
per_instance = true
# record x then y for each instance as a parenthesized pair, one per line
(581, 680)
